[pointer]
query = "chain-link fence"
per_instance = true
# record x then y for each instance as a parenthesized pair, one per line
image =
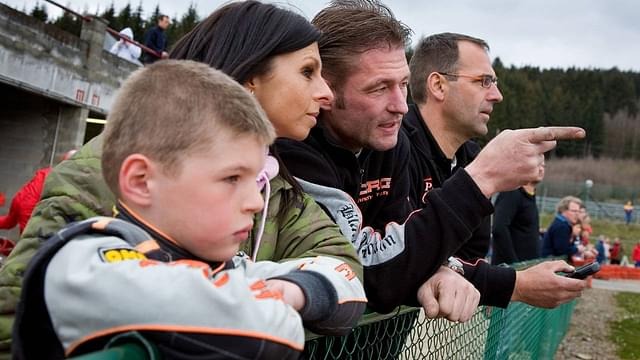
(518, 332)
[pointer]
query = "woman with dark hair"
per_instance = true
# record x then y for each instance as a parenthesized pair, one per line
(273, 52)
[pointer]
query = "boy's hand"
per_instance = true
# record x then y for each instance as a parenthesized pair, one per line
(291, 293)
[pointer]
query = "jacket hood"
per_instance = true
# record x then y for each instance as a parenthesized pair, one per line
(127, 32)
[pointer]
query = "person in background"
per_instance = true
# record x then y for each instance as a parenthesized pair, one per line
(607, 250)
(516, 226)
(600, 257)
(25, 200)
(576, 242)
(587, 229)
(156, 39)
(628, 212)
(557, 240)
(125, 49)
(636, 254)
(616, 252)
(187, 182)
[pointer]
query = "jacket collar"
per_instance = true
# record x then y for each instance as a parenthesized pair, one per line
(322, 135)
(168, 250)
(425, 145)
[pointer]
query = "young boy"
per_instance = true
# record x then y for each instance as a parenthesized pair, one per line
(183, 147)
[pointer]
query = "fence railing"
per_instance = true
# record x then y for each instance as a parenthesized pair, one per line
(596, 209)
(598, 191)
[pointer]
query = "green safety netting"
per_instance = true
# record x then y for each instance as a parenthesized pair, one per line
(518, 332)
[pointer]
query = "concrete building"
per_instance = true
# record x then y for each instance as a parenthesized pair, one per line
(50, 83)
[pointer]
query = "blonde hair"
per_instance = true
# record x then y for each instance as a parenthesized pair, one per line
(563, 204)
(174, 108)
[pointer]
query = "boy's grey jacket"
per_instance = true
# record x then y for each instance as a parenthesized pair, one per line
(105, 276)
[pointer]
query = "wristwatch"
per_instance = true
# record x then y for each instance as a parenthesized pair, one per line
(455, 265)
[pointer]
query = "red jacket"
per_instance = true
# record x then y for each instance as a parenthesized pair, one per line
(24, 201)
(636, 253)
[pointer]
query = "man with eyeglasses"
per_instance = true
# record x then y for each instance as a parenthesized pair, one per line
(452, 85)
(557, 238)
(455, 88)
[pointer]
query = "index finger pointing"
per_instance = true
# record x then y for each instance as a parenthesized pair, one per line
(551, 133)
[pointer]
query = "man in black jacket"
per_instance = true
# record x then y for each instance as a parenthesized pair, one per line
(452, 106)
(455, 88)
(516, 226)
(355, 163)
(156, 39)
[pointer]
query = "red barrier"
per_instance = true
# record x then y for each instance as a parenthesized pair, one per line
(618, 272)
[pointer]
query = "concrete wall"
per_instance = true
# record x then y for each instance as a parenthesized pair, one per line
(49, 82)
(45, 60)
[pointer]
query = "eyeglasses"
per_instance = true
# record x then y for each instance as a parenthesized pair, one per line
(485, 80)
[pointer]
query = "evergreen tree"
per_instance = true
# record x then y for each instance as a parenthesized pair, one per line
(69, 23)
(180, 28)
(189, 20)
(124, 18)
(110, 15)
(153, 18)
(173, 32)
(137, 23)
(40, 12)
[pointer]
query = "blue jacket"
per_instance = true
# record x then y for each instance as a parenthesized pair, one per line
(600, 248)
(557, 239)
(156, 39)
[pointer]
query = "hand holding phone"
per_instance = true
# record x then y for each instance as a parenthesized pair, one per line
(585, 270)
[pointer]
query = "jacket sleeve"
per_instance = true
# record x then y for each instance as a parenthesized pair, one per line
(335, 298)
(74, 190)
(304, 232)
(399, 249)
(89, 293)
(477, 246)
(495, 283)
(136, 51)
(505, 210)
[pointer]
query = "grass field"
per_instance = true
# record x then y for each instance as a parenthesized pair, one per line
(625, 330)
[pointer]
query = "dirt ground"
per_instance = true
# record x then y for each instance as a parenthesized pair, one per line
(587, 337)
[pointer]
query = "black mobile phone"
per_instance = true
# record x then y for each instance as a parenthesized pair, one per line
(585, 270)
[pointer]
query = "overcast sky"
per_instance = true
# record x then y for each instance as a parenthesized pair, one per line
(544, 33)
